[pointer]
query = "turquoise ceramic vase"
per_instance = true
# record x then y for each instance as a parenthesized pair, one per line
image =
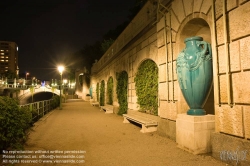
(195, 73)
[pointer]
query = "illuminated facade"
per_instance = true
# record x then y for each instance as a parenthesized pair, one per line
(157, 34)
(8, 57)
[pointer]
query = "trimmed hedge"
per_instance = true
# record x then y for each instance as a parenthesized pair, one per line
(122, 91)
(110, 91)
(102, 93)
(146, 85)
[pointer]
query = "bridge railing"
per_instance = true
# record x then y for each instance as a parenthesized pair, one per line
(39, 109)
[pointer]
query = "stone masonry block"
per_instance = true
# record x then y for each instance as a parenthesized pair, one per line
(168, 110)
(153, 52)
(242, 1)
(172, 52)
(231, 4)
(169, 76)
(230, 150)
(245, 52)
(234, 56)
(129, 99)
(175, 53)
(130, 80)
(163, 89)
(132, 85)
(246, 112)
(162, 73)
(223, 88)
(144, 43)
(241, 90)
(230, 120)
(176, 90)
(160, 38)
(205, 6)
(220, 31)
(163, 109)
(160, 24)
(152, 38)
(193, 134)
(133, 92)
(174, 22)
(168, 19)
(162, 55)
(171, 91)
(174, 70)
(218, 8)
(222, 59)
(239, 27)
(172, 109)
(197, 5)
(177, 7)
(134, 99)
(188, 7)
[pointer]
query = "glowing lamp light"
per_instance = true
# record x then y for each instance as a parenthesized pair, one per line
(60, 69)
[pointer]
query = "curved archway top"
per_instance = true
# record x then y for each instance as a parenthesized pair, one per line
(144, 60)
(194, 25)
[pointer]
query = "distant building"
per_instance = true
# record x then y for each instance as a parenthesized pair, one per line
(8, 57)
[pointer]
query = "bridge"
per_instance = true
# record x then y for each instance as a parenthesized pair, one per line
(24, 92)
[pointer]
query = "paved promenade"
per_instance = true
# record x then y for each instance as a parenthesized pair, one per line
(103, 140)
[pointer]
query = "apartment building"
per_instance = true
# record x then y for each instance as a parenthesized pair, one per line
(8, 57)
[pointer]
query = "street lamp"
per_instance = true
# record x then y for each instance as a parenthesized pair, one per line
(60, 69)
(26, 75)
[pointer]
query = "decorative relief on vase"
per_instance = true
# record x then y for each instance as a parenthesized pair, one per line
(195, 73)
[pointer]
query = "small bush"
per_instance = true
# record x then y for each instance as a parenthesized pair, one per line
(14, 121)
(55, 102)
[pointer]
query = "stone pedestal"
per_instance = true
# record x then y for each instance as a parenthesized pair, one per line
(193, 133)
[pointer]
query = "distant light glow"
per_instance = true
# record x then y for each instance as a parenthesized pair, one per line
(60, 69)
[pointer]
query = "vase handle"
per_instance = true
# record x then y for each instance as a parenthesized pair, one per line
(205, 47)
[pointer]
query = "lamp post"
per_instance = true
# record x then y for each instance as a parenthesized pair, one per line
(26, 75)
(60, 69)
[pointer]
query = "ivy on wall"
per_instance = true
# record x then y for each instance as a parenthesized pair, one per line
(102, 93)
(121, 91)
(146, 85)
(80, 77)
(97, 92)
(110, 90)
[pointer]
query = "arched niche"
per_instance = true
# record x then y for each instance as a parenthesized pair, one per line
(197, 27)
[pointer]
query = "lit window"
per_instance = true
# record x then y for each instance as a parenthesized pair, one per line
(6, 60)
(2, 60)
(6, 70)
(2, 53)
(6, 57)
(6, 67)
(2, 50)
(2, 56)
(6, 50)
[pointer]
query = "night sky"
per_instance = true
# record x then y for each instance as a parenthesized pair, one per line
(47, 32)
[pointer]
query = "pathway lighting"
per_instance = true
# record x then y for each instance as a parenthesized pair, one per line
(60, 69)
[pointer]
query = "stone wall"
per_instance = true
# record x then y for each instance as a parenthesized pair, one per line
(158, 34)
(182, 19)
(233, 38)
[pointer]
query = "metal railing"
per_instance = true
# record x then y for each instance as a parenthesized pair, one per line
(39, 109)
